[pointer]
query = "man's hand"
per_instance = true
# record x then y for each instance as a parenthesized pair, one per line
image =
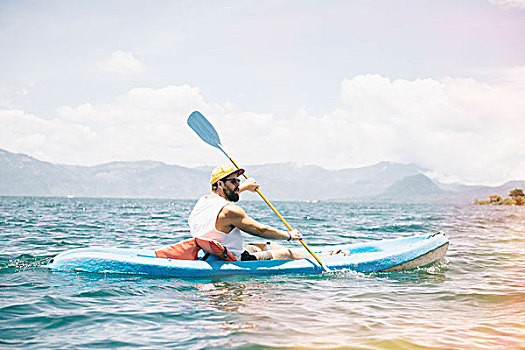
(249, 185)
(295, 235)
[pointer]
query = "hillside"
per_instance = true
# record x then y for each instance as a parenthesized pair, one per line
(385, 181)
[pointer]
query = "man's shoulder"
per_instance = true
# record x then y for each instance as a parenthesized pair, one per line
(210, 198)
(231, 209)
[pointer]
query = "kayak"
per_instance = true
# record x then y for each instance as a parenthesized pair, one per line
(380, 255)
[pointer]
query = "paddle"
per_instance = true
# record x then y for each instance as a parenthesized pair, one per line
(207, 133)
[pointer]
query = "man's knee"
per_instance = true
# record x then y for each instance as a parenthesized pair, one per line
(264, 255)
(284, 253)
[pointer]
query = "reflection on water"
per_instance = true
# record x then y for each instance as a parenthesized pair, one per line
(225, 296)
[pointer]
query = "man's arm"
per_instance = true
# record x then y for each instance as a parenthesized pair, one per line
(234, 215)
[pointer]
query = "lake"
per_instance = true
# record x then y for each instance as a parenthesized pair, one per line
(473, 299)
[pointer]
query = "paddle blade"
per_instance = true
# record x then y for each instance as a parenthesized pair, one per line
(204, 129)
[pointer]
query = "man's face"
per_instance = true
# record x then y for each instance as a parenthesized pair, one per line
(231, 188)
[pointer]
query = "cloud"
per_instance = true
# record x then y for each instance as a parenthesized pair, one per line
(141, 124)
(459, 128)
(121, 62)
(510, 77)
(520, 4)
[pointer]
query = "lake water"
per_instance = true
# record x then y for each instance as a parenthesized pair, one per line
(474, 299)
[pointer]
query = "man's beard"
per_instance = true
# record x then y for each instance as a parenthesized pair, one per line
(232, 196)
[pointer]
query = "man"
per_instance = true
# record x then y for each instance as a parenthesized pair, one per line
(215, 216)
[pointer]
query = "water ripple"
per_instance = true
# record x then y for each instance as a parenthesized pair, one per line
(472, 299)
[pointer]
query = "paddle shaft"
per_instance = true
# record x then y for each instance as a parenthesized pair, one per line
(280, 216)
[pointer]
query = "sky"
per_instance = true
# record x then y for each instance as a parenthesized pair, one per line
(338, 84)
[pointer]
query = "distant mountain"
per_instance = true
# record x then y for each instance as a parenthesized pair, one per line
(288, 181)
(411, 186)
(24, 175)
(483, 192)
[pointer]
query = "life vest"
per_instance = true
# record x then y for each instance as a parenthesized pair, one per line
(189, 250)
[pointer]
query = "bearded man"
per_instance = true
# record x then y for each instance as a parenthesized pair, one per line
(215, 216)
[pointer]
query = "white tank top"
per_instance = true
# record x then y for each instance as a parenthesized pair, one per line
(202, 224)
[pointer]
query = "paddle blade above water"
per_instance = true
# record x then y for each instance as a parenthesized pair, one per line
(204, 129)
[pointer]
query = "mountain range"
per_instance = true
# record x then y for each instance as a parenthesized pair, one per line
(22, 175)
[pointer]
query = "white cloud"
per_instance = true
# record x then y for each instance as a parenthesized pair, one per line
(142, 124)
(520, 4)
(121, 62)
(455, 126)
(513, 77)
(460, 128)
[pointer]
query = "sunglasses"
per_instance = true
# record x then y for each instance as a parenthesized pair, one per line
(233, 180)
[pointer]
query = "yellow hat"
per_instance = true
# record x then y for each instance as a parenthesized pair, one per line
(222, 171)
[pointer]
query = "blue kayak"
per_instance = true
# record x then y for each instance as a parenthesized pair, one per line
(384, 255)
